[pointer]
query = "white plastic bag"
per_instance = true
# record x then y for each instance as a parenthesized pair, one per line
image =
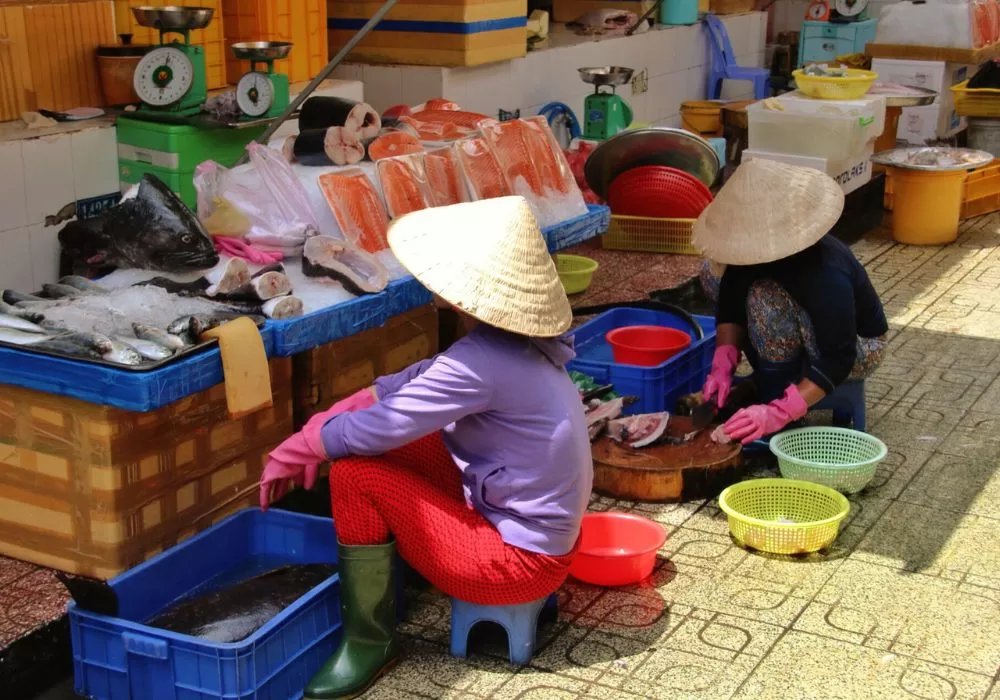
(944, 23)
(264, 202)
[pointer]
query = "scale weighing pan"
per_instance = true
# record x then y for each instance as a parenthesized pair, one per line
(173, 18)
(938, 159)
(903, 95)
(261, 50)
(674, 148)
(606, 75)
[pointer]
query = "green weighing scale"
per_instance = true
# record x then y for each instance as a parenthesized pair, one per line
(262, 93)
(171, 77)
(605, 112)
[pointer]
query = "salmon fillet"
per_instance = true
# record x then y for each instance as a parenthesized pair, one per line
(357, 208)
(394, 143)
(404, 184)
(444, 177)
(483, 171)
(439, 103)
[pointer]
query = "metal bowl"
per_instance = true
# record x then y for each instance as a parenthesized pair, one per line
(949, 160)
(606, 75)
(173, 18)
(918, 98)
(674, 148)
(261, 50)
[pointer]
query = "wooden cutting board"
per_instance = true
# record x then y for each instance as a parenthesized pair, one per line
(667, 473)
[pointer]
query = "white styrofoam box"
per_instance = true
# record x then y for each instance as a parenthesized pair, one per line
(817, 128)
(933, 75)
(15, 263)
(13, 205)
(48, 175)
(918, 125)
(868, 105)
(95, 162)
(44, 253)
(850, 173)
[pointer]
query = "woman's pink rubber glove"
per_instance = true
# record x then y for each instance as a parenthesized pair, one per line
(297, 459)
(720, 378)
(754, 422)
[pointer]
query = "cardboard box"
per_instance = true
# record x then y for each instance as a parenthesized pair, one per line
(933, 75)
(918, 125)
(850, 173)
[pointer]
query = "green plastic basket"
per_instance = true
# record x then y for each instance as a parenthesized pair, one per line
(783, 516)
(575, 272)
(842, 459)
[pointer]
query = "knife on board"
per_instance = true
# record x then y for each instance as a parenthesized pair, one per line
(741, 396)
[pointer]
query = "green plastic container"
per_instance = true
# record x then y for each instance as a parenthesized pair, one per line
(842, 459)
(179, 147)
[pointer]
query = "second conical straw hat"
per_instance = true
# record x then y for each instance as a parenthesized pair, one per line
(489, 259)
(767, 211)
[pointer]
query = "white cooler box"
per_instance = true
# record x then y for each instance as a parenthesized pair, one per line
(918, 125)
(850, 173)
(933, 75)
(828, 129)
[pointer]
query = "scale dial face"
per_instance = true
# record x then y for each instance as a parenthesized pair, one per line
(254, 94)
(850, 8)
(163, 76)
(818, 11)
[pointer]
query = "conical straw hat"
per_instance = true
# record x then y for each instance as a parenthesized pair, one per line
(489, 259)
(767, 211)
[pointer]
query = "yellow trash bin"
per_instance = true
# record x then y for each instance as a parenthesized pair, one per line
(926, 206)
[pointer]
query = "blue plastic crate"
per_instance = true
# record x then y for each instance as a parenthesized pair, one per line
(120, 658)
(120, 388)
(577, 230)
(659, 387)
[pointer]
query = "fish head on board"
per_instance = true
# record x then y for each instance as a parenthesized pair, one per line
(168, 234)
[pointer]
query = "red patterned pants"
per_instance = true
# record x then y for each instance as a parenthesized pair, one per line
(415, 494)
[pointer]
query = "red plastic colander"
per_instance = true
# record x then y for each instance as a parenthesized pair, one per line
(658, 191)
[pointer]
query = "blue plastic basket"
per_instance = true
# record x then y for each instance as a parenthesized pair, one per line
(659, 387)
(120, 388)
(120, 658)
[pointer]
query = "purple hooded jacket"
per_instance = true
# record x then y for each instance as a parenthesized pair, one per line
(512, 420)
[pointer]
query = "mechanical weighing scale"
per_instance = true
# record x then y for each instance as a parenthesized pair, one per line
(605, 112)
(167, 136)
(262, 93)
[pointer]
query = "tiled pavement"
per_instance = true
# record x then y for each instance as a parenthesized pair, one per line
(907, 605)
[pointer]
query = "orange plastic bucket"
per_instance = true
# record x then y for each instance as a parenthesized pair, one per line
(926, 206)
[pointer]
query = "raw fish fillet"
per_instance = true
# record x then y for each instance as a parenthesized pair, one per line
(437, 131)
(357, 208)
(404, 185)
(555, 168)
(469, 120)
(439, 103)
(394, 143)
(483, 171)
(444, 177)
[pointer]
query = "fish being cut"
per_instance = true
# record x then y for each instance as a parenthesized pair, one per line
(335, 145)
(282, 308)
(639, 430)
(358, 271)
(404, 184)
(321, 112)
(154, 230)
(357, 208)
(485, 175)
(444, 177)
(393, 143)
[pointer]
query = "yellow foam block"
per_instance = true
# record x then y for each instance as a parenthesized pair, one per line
(427, 49)
(244, 366)
(438, 11)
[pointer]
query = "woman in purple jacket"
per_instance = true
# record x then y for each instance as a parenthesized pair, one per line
(475, 464)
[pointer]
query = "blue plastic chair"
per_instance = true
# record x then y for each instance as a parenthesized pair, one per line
(847, 402)
(724, 66)
(519, 621)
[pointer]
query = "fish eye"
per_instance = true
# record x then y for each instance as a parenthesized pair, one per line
(186, 238)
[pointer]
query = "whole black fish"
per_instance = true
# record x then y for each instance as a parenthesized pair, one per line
(153, 231)
(235, 612)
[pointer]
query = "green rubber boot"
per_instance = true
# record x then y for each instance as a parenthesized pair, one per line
(368, 608)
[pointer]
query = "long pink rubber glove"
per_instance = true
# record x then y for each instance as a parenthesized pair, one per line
(720, 378)
(297, 459)
(754, 422)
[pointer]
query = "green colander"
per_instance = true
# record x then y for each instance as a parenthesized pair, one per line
(842, 459)
(575, 272)
(783, 516)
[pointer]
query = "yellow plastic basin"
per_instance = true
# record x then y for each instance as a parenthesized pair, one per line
(575, 272)
(926, 206)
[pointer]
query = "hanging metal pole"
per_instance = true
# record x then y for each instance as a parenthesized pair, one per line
(323, 75)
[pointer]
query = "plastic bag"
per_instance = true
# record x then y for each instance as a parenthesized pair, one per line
(263, 202)
(944, 23)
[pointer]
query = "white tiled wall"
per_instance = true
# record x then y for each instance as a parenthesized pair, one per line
(39, 177)
(675, 57)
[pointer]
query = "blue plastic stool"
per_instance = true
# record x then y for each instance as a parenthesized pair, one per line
(723, 63)
(847, 402)
(519, 621)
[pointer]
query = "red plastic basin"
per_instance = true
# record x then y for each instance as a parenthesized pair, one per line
(616, 549)
(646, 346)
